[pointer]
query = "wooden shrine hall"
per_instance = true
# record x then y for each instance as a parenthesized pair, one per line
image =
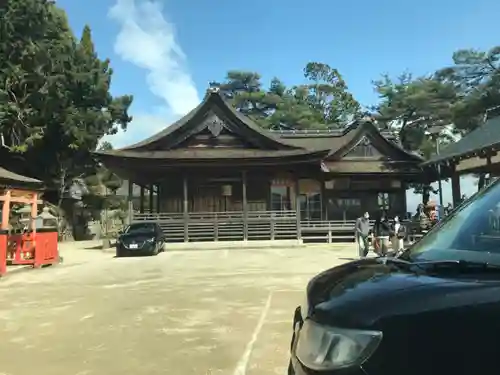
(216, 175)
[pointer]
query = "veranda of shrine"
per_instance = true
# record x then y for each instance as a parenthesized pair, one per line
(216, 175)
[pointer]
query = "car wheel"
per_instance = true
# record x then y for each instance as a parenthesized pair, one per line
(155, 251)
(120, 253)
(290, 371)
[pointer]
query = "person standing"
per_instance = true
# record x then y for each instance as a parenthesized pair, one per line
(362, 233)
(399, 234)
(382, 234)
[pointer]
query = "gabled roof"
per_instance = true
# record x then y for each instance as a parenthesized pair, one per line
(340, 141)
(213, 110)
(215, 118)
(484, 138)
(13, 179)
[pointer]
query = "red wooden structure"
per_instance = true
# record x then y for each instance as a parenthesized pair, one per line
(36, 247)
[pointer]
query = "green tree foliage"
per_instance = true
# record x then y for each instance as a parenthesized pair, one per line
(324, 101)
(476, 75)
(55, 103)
(244, 91)
(461, 95)
(411, 107)
(328, 94)
(103, 185)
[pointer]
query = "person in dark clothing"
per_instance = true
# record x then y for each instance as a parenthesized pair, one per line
(362, 233)
(382, 233)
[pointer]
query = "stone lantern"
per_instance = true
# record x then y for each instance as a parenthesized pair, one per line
(24, 216)
(46, 220)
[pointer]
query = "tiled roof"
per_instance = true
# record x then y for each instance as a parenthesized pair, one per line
(486, 136)
(10, 178)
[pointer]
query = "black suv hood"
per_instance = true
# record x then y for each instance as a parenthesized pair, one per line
(367, 293)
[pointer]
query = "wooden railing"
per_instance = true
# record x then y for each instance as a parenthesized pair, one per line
(255, 225)
(225, 226)
(328, 231)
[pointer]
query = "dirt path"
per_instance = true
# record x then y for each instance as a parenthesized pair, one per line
(196, 312)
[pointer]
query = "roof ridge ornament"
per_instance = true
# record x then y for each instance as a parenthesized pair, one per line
(213, 90)
(214, 125)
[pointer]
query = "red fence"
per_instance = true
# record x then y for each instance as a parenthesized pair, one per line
(36, 249)
(46, 251)
(3, 251)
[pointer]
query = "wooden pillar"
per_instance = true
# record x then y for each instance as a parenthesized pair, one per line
(130, 201)
(455, 189)
(404, 202)
(34, 211)
(151, 199)
(324, 211)
(297, 208)
(141, 203)
(158, 199)
(269, 193)
(185, 207)
(245, 204)
(6, 210)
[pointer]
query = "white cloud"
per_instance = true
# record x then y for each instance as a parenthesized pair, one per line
(141, 127)
(147, 40)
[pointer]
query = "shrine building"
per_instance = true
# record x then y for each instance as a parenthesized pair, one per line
(216, 175)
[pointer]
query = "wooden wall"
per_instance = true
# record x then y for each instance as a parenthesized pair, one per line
(334, 201)
(216, 194)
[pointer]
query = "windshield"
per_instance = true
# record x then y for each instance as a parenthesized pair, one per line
(472, 232)
(140, 228)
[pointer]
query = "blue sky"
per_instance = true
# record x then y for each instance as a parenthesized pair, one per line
(166, 52)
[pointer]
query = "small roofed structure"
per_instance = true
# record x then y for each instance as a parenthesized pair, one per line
(216, 165)
(476, 152)
(20, 248)
(15, 188)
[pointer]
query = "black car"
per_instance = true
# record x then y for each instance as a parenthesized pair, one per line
(140, 239)
(434, 309)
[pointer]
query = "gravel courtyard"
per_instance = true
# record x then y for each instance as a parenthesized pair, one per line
(185, 312)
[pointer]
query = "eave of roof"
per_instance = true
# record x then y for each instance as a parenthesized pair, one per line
(484, 138)
(8, 178)
(210, 154)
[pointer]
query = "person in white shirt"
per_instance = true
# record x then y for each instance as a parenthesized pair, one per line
(398, 235)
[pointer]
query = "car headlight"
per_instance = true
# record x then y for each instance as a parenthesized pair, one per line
(323, 348)
(150, 240)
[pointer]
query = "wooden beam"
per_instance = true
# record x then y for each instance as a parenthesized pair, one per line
(141, 202)
(245, 204)
(185, 207)
(455, 189)
(6, 210)
(130, 201)
(297, 207)
(158, 199)
(324, 203)
(151, 199)
(34, 211)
